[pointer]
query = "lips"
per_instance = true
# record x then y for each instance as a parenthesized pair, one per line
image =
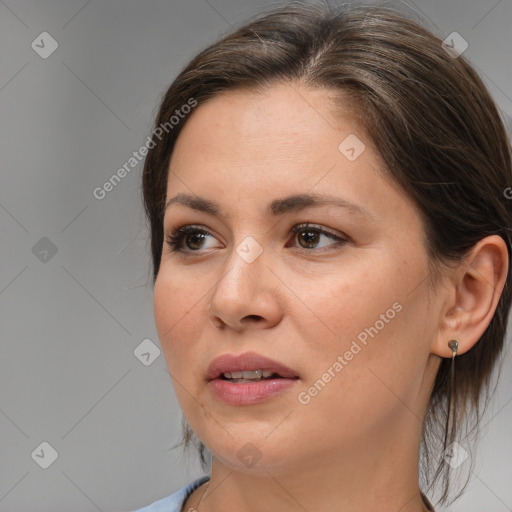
(246, 362)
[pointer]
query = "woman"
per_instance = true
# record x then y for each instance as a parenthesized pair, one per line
(330, 243)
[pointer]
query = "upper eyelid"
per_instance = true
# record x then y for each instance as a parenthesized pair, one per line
(300, 225)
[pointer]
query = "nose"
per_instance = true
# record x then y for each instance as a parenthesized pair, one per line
(246, 295)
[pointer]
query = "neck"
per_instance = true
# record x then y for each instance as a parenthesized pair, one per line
(379, 474)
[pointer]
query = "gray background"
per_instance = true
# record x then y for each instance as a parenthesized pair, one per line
(70, 321)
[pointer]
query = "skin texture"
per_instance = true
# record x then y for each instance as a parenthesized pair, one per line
(354, 446)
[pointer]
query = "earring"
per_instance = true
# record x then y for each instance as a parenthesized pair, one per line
(452, 417)
(454, 346)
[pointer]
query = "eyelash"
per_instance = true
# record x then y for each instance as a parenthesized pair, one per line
(175, 238)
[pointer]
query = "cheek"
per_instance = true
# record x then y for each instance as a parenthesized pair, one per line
(166, 305)
(356, 304)
(175, 304)
(367, 345)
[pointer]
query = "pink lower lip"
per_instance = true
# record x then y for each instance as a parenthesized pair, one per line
(248, 393)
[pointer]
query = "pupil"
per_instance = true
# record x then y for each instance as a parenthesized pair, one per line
(196, 236)
(311, 237)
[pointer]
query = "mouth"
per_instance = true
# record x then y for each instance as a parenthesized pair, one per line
(249, 379)
(250, 376)
(248, 367)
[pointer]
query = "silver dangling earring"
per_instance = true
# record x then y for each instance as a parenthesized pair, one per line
(454, 347)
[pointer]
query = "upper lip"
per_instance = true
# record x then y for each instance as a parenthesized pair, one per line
(246, 362)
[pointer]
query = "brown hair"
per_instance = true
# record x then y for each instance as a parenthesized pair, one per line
(433, 122)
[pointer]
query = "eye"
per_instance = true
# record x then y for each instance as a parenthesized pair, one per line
(309, 236)
(190, 238)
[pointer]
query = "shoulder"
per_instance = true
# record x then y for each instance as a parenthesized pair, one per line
(174, 502)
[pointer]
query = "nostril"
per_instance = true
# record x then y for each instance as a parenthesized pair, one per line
(216, 322)
(253, 317)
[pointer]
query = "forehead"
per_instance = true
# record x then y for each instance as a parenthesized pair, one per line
(261, 128)
(244, 148)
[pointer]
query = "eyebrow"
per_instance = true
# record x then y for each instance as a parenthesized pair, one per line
(276, 207)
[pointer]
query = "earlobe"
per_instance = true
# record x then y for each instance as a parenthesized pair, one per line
(474, 294)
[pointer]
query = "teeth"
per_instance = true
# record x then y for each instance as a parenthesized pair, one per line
(253, 374)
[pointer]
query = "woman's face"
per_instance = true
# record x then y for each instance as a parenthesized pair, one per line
(344, 302)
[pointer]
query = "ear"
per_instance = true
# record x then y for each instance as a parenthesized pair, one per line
(473, 295)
